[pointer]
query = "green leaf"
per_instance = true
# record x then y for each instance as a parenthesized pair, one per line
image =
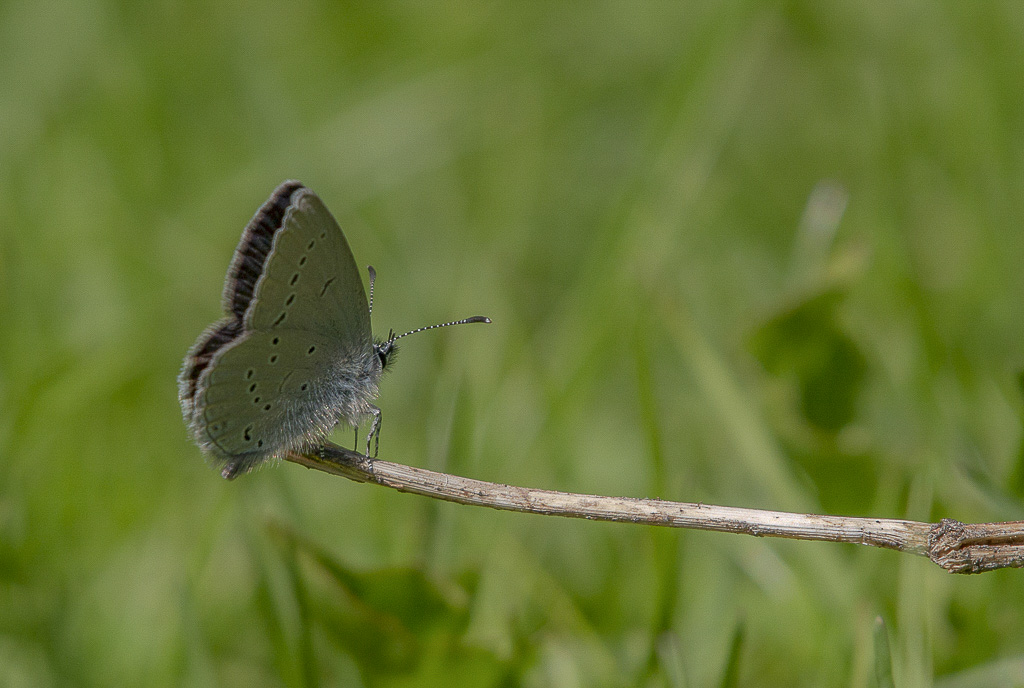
(731, 677)
(384, 618)
(806, 344)
(883, 656)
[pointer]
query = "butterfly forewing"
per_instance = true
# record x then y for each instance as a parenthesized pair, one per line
(310, 280)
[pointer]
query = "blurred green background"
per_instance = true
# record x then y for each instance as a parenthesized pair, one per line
(744, 253)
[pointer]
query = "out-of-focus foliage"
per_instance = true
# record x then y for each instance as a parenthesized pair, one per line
(745, 253)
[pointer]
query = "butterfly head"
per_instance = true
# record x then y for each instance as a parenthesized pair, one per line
(386, 349)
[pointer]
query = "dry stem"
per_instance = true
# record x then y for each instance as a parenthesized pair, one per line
(955, 546)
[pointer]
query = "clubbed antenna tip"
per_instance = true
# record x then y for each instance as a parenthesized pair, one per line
(474, 319)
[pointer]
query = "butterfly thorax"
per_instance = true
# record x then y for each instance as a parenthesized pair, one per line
(351, 385)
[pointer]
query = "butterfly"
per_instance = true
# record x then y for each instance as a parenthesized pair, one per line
(295, 355)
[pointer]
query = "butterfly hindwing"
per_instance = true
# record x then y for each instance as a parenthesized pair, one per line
(266, 393)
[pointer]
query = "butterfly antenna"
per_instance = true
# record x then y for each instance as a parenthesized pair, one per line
(474, 319)
(373, 278)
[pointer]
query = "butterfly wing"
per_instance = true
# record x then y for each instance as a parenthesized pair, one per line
(295, 354)
(310, 280)
(268, 393)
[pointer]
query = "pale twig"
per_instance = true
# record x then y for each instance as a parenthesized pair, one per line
(956, 547)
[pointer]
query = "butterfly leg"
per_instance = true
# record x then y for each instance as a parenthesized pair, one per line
(374, 431)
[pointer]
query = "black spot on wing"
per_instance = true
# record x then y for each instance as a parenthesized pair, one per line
(251, 254)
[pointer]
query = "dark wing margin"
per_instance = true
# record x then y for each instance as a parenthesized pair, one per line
(254, 247)
(199, 356)
(246, 268)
